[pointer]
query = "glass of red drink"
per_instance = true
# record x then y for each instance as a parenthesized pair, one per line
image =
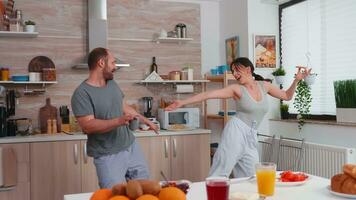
(217, 188)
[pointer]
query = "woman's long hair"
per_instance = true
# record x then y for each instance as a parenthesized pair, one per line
(247, 63)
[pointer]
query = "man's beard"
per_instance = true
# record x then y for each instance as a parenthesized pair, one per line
(108, 75)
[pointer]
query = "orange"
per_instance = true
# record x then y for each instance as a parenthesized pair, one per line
(170, 193)
(101, 194)
(119, 197)
(147, 197)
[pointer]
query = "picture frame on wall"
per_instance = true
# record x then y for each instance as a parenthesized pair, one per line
(265, 51)
(232, 49)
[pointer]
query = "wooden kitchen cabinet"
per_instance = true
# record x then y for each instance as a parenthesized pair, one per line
(22, 189)
(55, 169)
(89, 177)
(190, 156)
(178, 157)
(59, 168)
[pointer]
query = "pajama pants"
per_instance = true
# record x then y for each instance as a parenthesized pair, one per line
(237, 150)
(125, 165)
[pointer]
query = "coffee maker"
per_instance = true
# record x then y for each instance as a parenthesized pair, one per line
(7, 109)
(147, 106)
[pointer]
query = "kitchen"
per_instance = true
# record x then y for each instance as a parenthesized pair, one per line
(62, 28)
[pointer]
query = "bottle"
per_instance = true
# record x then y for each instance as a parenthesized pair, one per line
(154, 65)
(54, 126)
(49, 126)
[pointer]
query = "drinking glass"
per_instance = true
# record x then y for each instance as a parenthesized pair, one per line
(266, 178)
(217, 188)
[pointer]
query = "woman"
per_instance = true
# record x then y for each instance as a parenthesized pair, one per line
(238, 147)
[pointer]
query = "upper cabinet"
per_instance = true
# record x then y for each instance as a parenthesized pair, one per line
(18, 34)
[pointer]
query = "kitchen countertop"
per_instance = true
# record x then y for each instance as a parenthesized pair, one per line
(81, 136)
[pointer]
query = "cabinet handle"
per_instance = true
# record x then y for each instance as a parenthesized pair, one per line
(174, 147)
(166, 148)
(75, 153)
(85, 156)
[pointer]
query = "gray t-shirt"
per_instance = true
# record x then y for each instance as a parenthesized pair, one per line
(104, 103)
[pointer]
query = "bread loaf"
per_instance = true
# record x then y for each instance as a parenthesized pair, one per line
(337, 181)
(349, 186)
(350, 170)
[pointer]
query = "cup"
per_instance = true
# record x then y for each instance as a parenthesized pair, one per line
(266, 178)
(134, 124)
(217, 188)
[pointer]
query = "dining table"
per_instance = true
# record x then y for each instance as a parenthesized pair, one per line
(314, 188)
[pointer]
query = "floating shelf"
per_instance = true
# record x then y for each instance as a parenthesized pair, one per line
(18, 34)
(172, 40)
(28, 82)
(175, 81)
(220, 78)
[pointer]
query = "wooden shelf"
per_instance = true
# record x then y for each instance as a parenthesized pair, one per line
(28, 82)
(214, 116)
(172, 40)
(220, 78)
(18, 34)
(175, 81)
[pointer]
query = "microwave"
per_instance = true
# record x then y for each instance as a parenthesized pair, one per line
(179, 119)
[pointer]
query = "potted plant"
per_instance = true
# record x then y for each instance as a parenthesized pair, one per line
(30, 26)
(345, 99)
(279, 74)
(284, 111)
(310, 79)
(302, 102)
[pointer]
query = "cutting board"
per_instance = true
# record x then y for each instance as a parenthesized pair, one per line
(48, 112)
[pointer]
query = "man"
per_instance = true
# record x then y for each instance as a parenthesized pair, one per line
(103, 115)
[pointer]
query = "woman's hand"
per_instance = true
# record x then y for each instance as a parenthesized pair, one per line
(301, 74)
(176, 104)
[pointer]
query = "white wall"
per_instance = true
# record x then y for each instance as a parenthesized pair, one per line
(263, 19)
(317, 133)
(210, 34)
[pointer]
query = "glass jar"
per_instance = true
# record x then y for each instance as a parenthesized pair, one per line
(5, 74)
(174, 75)
(49, 74)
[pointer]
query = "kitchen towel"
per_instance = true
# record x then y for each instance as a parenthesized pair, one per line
(185, 89)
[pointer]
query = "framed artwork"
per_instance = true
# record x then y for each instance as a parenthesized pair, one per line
(265, 51)
(232, 49)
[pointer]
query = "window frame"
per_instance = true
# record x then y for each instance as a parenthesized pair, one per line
(281, 7)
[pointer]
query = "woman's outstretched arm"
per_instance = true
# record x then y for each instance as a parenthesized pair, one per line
(228, 92)
(287, 94)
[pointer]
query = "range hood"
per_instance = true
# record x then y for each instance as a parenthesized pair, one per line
(98, 30)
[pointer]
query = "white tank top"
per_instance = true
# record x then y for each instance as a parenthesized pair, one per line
(249, 110)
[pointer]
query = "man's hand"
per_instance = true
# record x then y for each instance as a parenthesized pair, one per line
(176, 104)
(153, 126)
(125, 120)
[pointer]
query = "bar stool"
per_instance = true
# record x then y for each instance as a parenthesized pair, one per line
(290, 154)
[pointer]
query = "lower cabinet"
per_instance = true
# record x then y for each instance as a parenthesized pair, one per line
(59, 168)
(22, 188)
(178, 157)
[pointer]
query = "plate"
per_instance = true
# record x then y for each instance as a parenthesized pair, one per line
(349, 196)
(288, 184)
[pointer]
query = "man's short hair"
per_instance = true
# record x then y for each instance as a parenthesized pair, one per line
(95, 55)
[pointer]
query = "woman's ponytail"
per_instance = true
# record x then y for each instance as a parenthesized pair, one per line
(260, 78)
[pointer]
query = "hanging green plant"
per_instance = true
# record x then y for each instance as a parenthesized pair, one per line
(302, 102)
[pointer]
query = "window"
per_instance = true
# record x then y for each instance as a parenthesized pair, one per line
(320, 34)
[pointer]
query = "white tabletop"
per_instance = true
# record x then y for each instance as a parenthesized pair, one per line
(314, 188)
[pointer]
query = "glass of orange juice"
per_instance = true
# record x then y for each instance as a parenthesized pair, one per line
(266, 178)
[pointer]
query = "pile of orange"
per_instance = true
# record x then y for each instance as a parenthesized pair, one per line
(168, 193)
